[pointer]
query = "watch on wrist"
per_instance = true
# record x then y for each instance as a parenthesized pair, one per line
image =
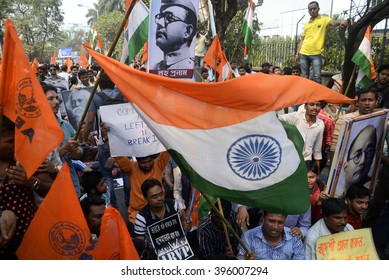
(36, 185)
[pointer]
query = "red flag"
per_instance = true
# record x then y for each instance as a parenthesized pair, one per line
(115, 242)
(59, 229)
(35, 65)
(54, 58)
(24, 102)
(83, 61)
(68, 62)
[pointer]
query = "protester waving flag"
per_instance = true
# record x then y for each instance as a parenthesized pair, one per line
(363, 59)
(23, 101)
(247, 30)
(231, 142)
(136, 31)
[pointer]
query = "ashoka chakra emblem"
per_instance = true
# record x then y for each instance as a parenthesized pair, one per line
(254, 157)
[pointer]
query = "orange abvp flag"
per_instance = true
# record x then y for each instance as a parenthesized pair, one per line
(145, 56)
(54, 58)
(68, 62)
(83, 61)
(58, 230)
(217, 60)
(24, 102)
(35, 65)
(115, 242)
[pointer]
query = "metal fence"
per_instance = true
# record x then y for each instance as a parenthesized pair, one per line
(282, 53)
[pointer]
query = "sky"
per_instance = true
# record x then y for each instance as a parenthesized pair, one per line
(279, 17)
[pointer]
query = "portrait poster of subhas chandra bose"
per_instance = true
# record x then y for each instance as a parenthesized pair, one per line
(75, 102)
(358, 153)
(172, 36)
(128, 134)
(168, 239)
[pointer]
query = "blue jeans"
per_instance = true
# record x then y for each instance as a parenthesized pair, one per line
(104, 154)
(306, 61)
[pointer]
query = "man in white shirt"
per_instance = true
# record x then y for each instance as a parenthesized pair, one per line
(311, 129)
(335, 216)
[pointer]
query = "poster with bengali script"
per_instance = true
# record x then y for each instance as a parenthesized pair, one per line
(350, 245)
(128, 134)
(168, 239)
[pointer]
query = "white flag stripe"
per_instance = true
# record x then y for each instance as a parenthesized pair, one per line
(137, 16)
(211, 162)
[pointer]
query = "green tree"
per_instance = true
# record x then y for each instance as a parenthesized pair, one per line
(352, 37)
(5, 10)
(93, 15)
(108, 25)
(38, 24)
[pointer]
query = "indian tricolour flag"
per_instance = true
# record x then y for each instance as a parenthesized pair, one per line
(97, 44)
(363, 59)
(226, 136)
(136, 31)
(247, 30)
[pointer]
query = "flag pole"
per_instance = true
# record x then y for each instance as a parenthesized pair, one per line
(228, 242)
(112, 48)
(227, 224)
(346, 91)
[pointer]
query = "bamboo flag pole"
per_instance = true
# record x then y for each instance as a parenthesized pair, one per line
(227, 224)
(345, 93)
(228, 242)
(112, 48)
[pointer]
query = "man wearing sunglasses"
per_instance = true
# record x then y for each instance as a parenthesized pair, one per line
(176, 27)
(56, 80)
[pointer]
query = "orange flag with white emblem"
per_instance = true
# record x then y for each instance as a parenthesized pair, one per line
(115, 242)
(217, 60)
(58, 230)
(24, 102)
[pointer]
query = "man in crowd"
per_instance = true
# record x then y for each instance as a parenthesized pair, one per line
(367, 99)
(56, 80)
(311, 129)
(357, 200)
(382, 86)
(271, 241)
(312, 42)
(335, 217)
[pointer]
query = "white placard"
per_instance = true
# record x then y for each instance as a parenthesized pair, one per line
(128, 134)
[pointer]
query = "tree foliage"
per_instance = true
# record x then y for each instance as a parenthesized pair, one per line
(108, 24)
(352, 37)
(38, 24)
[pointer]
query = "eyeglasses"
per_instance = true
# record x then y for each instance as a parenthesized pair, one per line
(369, 152)
(168, 18)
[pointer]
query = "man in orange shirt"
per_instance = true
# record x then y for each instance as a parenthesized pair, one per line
(138, 171)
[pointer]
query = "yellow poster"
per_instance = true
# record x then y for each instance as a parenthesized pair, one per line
(350, 245)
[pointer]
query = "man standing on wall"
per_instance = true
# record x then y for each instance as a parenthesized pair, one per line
(312, 42)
